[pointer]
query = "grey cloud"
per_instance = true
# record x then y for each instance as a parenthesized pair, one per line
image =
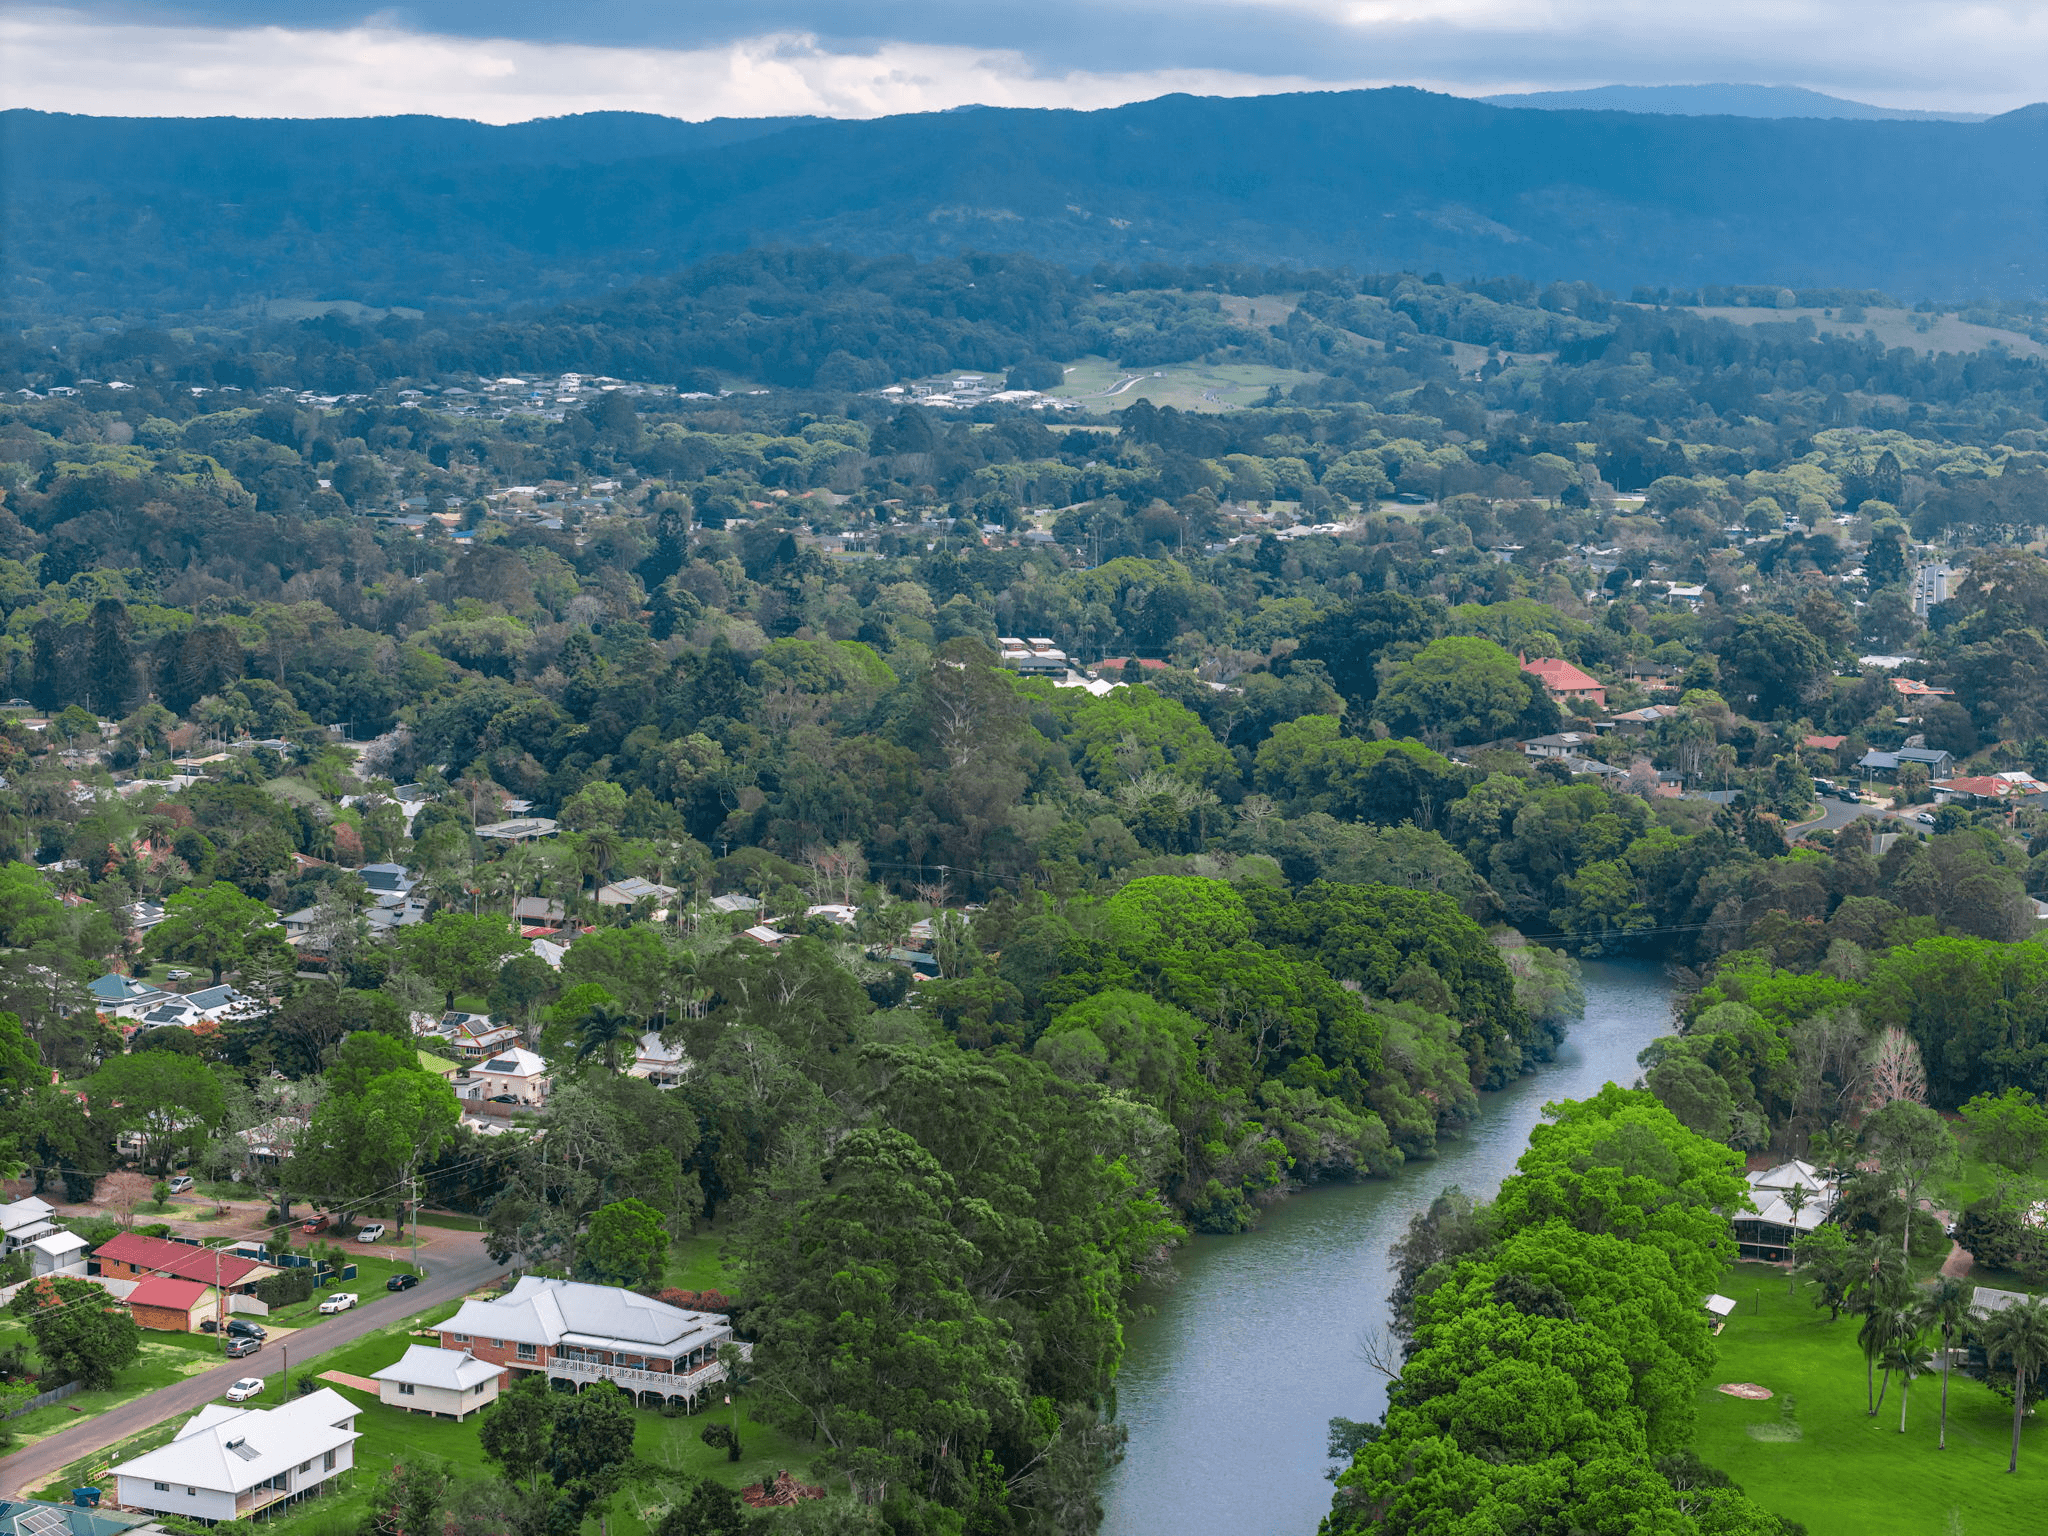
(1890, 47)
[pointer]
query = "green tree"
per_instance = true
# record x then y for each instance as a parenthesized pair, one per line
(369, 1144)
(2009, 1129)
(2018, 1336)
(215, 926)
(1946, 1307)
(459, 952)
(590, 1445)
(170, 1102)
(517, 1429)
(81, 1332)
(708, 1509)
(1460, 690)
(1824, 1258)
(1912, 1145)
(625, 1244)
(602, 1030)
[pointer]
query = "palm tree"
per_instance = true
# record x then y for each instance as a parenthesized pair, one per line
(1883, 1327)
(1906, 1355)
(601, 1030)
(1879, 1298)
(2019, 1334)
(1945, 1307)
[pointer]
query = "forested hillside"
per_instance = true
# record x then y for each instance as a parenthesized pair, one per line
(203, 214)
(948, 853)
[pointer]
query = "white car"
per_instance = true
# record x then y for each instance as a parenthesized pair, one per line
(372, 1233)
(246, 1388)
(181, 1183)
(340, 1301)
(177, 975)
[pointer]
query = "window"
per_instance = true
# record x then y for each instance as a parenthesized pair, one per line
(327, 1463)
(161, 1487)
(526, 1352)
(405, 1389)
(497, 1343)
(192, 1493)
(459, 1338)
(305, 1466)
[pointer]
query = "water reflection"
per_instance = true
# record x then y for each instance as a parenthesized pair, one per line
(1227, 1390)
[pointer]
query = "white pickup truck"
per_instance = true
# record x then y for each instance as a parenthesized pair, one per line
(340, 1301)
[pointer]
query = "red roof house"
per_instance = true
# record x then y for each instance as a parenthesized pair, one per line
(1562, 680)
(130, 1256)
(1913, 688)
(1823, 743)
(171, 1306)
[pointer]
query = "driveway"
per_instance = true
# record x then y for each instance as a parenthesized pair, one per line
(456, 1264)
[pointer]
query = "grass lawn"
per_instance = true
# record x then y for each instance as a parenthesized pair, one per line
(1813, 1454)
(1191, 386)
(694, 1264)
(668, 1449)
(372, 1270)
(449, 1221)
(165, 1358)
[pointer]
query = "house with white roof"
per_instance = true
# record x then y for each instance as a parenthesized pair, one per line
(662, 1064)
(228, 1463)
(23, 1221)
(577, 1333)
(518, 1073)
(447, 1383)
(57, 1253)
(633, 890)
(1790, 1200)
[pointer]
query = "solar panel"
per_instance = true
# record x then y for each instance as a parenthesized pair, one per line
(41, 1522)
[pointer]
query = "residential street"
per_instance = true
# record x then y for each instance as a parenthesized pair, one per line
(455, 1263)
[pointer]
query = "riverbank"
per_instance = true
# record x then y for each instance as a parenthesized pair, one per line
(1228, 1388)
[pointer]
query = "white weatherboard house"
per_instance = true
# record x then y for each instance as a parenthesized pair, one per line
(448, 1383)
(228, 1463)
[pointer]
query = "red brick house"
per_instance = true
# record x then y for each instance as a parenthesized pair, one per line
(130, 1256)
(577, 1333)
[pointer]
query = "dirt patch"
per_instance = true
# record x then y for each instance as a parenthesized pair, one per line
(1746, 1389)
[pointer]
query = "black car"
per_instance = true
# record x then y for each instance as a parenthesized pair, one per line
(238, 1347)
(241, 1328)
(401, 1282)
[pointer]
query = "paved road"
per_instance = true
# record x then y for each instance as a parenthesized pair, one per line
(455, 1263)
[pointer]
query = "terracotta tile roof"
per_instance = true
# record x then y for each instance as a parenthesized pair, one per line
(1560, 676)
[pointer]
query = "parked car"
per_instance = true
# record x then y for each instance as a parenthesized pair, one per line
(372, 1233)
(237, 1348)
(401, 1282)
(316, 1224)
(246, 1388)
(340, 1301)
(504, 1098)
(177, 975)
(181, 1183)
(242, 1328)
(1849, 795)
(1925, 818)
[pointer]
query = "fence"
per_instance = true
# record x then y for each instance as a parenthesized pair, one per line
(54, 1395)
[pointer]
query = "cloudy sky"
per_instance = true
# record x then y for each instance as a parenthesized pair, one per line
(508, 60)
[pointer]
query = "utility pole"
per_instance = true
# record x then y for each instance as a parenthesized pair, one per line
(415, 1222)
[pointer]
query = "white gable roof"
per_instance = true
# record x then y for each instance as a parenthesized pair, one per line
(29, 1212)
(230, 1450)
(423, 1365)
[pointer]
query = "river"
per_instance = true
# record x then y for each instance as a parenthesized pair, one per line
(1229, 1387)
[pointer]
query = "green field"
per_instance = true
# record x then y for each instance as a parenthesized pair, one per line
(1188, 386)
(165, 1358)
(668, 1450)
(1813, 1454)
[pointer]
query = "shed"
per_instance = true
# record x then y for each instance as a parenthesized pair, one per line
(447, 1383)
(171, 1306)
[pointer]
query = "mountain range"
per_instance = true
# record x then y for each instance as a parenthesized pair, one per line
(1724, 101)
(139, 218)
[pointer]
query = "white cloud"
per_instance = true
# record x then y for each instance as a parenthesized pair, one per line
(1989, 55)
(61, 62)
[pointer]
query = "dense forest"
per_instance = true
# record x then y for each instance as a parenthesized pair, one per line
(210, 214)
(1261, 892)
